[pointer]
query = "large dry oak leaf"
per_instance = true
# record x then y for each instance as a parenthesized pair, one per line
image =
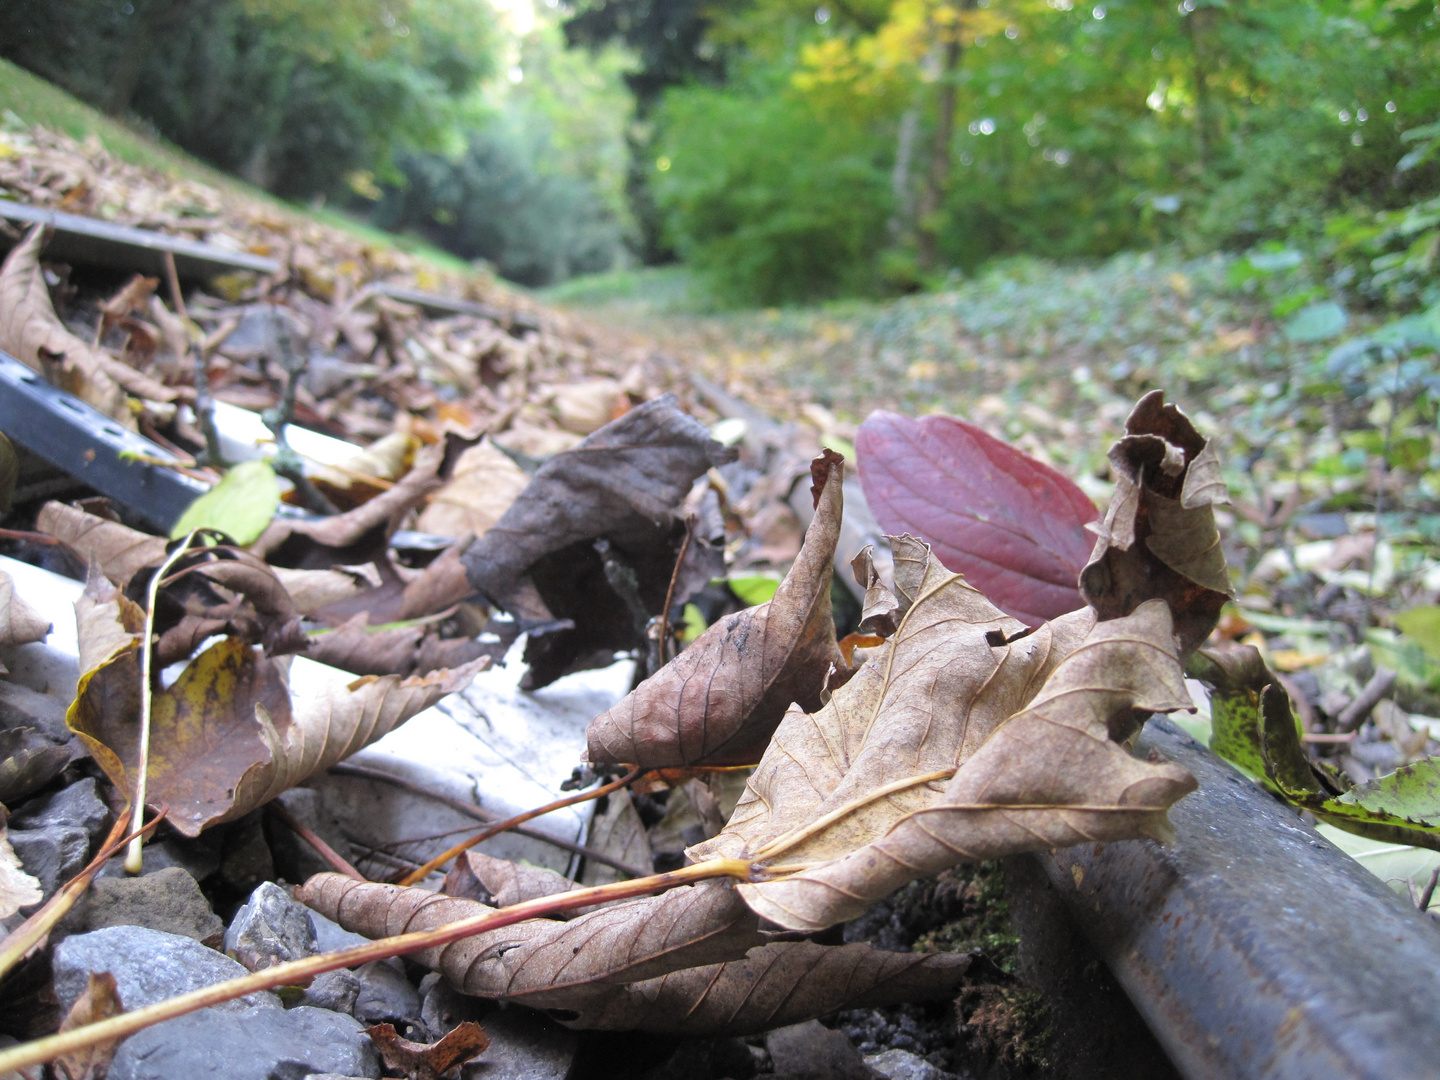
(852, 802)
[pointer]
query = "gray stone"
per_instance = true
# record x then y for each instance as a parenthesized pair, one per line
(168, 900)
(78, 805)
(330, 936)
(812, 1050)
(245, 861)
(270, 929)
(524, 1045)
(199, 857)
(334, 990)
(52, 855)
(295, 859)
(256, 1044)
(21, 706)
(148, 966)
(443, 1007)
(386, 995)
(903, 1065)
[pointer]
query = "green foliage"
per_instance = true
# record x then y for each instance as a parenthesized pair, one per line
(240, 505)
(294, 96)
(770, 202)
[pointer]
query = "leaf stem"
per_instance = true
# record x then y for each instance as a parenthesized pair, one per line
(133, 858)
(297, 971)
(509, 823)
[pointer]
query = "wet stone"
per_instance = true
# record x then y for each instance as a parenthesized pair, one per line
(524, 1045)
(52, 854)
(903, 1065)
(334, 990)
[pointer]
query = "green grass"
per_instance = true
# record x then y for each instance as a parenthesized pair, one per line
(651, 290)
(39, 103)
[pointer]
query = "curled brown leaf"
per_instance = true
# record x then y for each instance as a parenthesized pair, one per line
(548, 963)
(1158, 538)
(718, 702)
(429, 1061)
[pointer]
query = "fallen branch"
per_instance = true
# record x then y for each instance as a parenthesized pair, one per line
(418, 875)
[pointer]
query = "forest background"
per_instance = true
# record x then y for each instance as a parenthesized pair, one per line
(788, 151)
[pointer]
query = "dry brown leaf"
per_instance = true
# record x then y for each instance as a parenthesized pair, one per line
(28, 761)
(357, 535)
(17, 888)
(400, 650)
(718, 702)
(351, 482)
(229, 734)
(31, 332)
(118, 549)
(775, 985)
(429, 1061)
(19, 623)
(585, 407)
(99, 1001)
(500, 882)
(1158, 538)
(547, 963)
(618, 833)
(857, 799)
(484, 484)
(311, 590)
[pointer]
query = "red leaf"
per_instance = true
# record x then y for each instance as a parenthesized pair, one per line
(1012, 525)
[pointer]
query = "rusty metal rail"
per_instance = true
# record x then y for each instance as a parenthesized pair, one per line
(1252, 947)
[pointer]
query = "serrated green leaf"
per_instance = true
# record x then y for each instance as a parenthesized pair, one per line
(240, 505)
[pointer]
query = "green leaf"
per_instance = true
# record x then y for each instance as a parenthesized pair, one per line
(240, 505)
(1410, 794)
(1234, 705)
(756, 589)
(695, 623)
(1422, 625)
(1317, 322)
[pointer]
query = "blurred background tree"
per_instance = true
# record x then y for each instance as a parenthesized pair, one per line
(794, 150)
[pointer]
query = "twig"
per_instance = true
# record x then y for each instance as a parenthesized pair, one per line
(133, 858)
(33, 537)
(1354, 714)
(324, 850)
(690, 522)
(1428, 893)
(204, 403)
(344, 768)
(30, 934)
(172, 279)
(509, 823)
(298, 971)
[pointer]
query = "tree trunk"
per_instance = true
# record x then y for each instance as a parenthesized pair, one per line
(937, 179)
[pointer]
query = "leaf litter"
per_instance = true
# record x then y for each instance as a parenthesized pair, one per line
(569, 489)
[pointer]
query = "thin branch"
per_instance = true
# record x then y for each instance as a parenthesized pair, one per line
(509, 823)
(299, 971)
(344, 768)
(1354, 714)
(172, 280)
(690, 523)
(324, 850)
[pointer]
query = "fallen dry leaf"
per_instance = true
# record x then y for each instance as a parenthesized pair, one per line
(99, 1001)
(549, 963)
(718, 702)
(357, 535)
(859, 798)
(32, 333)
(1159, 539)
(19, 624)
(596, 533)
(1012, 525)
(28, 761)
(429, 1061)
(353, 481)
(117, 549)
(483, 485)
(235, 729)
(774, 985)
(400, 650)
(500, 882)
(17, 888)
